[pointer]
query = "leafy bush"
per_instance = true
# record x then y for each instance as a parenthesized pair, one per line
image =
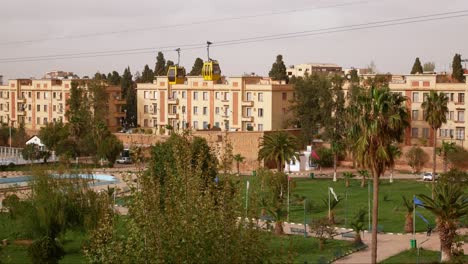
(416, 158)
(326, 157)
(45, 250)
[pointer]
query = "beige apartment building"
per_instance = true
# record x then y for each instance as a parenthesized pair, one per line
(300, 70)
(416, 87)
(38, 102)
(248, 103)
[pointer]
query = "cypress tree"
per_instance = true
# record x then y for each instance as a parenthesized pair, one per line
(160, 65)
(417, 67)
(197, 67)
(457, 69)
(278, 70)
(129, 93)
(147, 76)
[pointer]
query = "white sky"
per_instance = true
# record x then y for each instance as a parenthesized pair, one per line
(392, 48)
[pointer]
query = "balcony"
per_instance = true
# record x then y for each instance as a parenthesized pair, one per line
(119, 114)
(247, 119)
(247, 103)
(173, 116)
(21, 113)
(22, 100)
(173, 101)
(119, 101)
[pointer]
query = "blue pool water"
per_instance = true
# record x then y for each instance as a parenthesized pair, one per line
(100, 179)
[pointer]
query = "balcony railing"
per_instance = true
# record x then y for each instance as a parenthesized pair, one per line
(247, 103)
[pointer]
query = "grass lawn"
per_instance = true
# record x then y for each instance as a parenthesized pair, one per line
(411, 256)
(391, 208)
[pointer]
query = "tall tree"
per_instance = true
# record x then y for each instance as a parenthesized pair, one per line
(445, 149)
(429, 66)
(169, 63)
(449, 205)
(436, 110)
(197, 67)
(278, 70)
(383, 119)
(457, 68)
(394, 153)
(417, 67)
(129, 93)
(147, 76)
(279, 147)
(113, 78)
(160, 65)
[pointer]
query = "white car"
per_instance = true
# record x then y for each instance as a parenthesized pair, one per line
(427, 176)
(124, 160)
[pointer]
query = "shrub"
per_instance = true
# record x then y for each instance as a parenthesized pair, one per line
(326, 157)
(416, 158)
(45, 250)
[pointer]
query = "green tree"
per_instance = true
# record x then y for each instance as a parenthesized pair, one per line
(429, 66)
(227, 156)
(416, 158)
(364, 175)
(279, 147)
(333, 204)
(147, 76)
(20, 137)
(457, 68)
(458, 158)
(358, 225)
(348, 175)
(114, 78)
(409, 205)
(417, 67)
(110, 149)
(238, 158)
(436, 110)
(449, 205)
(278, 70)
(394, 153)
(129, 93)
(383, 119)
(79, 117)
(169, 63)
(31, 152)
(197, 67)
(159, 68)
(444, 150)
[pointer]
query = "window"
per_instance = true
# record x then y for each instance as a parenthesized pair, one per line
(29, 107)
(45, 108)
(217, 95)
(38, 108)
(425, 132)
(195, 110)
(416, 97)
(217, 110)
(145, 122)
(443, 132)
(285, 96)
(414, 115)
(145, 109)
(46, 95)
(174, 109)
(451, 115)
(38, 120)
(205, 96)
(260, 112)
(216, 124)
(461, 116)
(425, 95)
(184, 94)
(260, 127)
(54, 108)
(424, 115)
(249, 96)
(54, 95)
(414, 132)
(195, 124)
(205, 110)
(451, 97)
(45, 120)
(461, 97)
(260, 97)
(146, 95)
(460, 133)
(205, 125)
(38, 95)
(248, 111)
(195, 95)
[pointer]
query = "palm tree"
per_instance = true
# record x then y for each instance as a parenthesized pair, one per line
(436, 109)
(279, 147)
(333, 204)
(395, 153)
(444, 150)
(358, 225)
(449, 204)
(409, 214)
(364, 175)
(383, 119)
(238, 158)
(348, 175)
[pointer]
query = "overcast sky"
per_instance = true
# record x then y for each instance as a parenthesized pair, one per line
(393, 49)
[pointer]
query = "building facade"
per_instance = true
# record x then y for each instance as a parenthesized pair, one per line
(35, 103)
(300, 70)
(248, 103)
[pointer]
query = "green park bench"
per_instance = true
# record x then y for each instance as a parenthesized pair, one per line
(297, 230)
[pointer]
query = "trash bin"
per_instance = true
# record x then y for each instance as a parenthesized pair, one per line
(254, 173)
(413, 243)
(311, 175)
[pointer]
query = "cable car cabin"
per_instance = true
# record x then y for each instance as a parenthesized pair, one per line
(176, 75)
(211, 71)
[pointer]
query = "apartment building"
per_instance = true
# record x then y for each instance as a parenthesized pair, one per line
(38, 102)
(300, 70)
(248, 103)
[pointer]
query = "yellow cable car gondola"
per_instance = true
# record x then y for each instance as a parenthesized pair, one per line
(211, 70)
(176, 73)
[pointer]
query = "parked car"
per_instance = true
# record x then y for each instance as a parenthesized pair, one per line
(427, 176)
(124, 160)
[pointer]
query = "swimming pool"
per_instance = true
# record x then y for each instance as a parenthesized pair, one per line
(98, 179)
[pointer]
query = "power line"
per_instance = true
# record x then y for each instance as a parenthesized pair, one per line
(377, 24)
(201, 22)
